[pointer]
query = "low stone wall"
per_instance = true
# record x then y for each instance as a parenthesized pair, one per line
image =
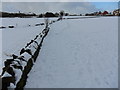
(29, 65)
(16, 69)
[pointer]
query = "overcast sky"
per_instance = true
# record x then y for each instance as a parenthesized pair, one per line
(70, 7)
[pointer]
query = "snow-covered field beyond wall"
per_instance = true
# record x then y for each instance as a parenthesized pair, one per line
(0, 51)
(14, 39)
(77, 53)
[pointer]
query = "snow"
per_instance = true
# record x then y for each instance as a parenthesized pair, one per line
(21, 22)
(6, 75)
(78, 53)
(14, 39)
(24, 36)
(0, 47)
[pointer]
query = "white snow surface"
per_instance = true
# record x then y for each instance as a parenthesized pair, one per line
(14, 39)
(0, 47)
(78, 53)
(21, 22)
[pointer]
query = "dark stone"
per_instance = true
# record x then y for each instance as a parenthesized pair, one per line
(8, 62)
(14, 56)
(2, 27)
(11, 26)
(6, 82)
(9, 70)
(22, 51)
(28, 51)
(37, 24)
(42, 24)
(18, 67)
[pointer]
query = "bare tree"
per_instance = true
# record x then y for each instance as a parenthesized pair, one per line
(46, 22)
(61, 14)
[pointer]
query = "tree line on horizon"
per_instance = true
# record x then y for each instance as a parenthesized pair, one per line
(21, 15)
(58, 14)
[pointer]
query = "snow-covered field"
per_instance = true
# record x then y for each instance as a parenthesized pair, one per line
(14, 39)
(0, 47)
(78, 54)
(21, 22)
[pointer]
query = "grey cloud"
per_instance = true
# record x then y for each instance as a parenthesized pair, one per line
(42, 7)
